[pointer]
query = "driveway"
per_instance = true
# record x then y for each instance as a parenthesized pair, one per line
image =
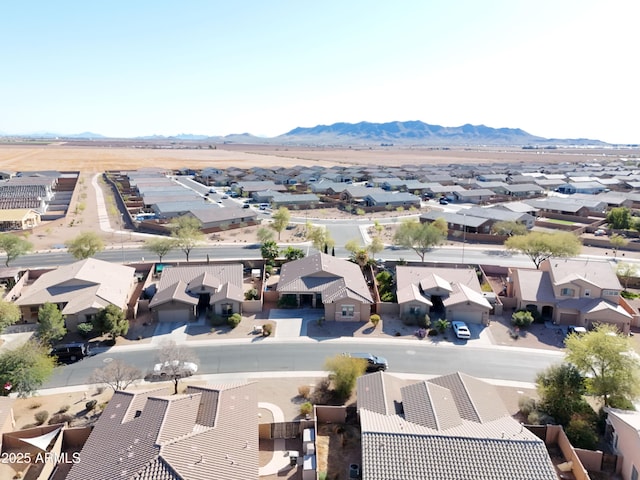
(292, 323)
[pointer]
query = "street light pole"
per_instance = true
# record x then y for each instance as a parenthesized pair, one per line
(464, 234)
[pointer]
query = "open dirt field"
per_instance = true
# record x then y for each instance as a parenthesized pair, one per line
(67, 157)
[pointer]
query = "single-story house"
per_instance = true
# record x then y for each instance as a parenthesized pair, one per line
(79, 289)
(524, 190)
(323, 280)
(500, 215)
(390, 199)
(357, 193)
(19, 219)
(450, 293)
(479, 195)
(458, 222)
(568, 206)
(184, 293)
(214, 218)
(582, 187)
(208, 432)
(449, 427)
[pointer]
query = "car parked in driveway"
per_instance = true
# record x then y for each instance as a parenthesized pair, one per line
(461, 330)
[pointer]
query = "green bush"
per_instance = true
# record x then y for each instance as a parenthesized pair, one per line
(267, 329)
(522, 318)
(234, 320)
(85, 329)
(41, 417)
(251, 294)
(581, 434)
(375, 319)
(526, 405)
(90, 405)
(306, 408)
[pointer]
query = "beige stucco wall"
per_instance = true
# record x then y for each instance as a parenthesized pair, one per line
(628, 446)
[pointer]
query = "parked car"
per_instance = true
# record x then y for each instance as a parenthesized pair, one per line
(374, 363)
(443, 201)
(576, 330)
(224, 197)
(168, 369)
(600, 232)
(70, 352)
(461, 330)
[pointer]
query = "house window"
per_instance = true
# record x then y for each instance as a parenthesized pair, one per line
(89, 317)
(414, 310)
(227, 309)
(34, 310)
(567, 292)
(610, 293)
(587, 292)
(348, 310)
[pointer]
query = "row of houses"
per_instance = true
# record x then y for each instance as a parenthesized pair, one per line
(565, 291)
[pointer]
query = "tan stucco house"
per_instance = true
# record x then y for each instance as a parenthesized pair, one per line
(79, 290)
(450, 293)
(323, 280)
(185, 292)
(572, 292)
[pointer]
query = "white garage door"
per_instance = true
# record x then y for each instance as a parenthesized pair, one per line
(181, 315)
(466, 316)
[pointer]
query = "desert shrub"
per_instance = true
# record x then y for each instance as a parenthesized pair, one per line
(304, 391)
(425, 322)
(34, 405)
(486, 287)
(375, 319)
(85, 329)
(581, 433)
(41, 417)
(64, 408)
(306, 408)
(251, 294)
(420, 333)
(432, 332)
(234, 320)
(60, 418)
(267, 329)
(387, 297)
(537, 417)
(526, 405)
(90, 405)
(522, 318)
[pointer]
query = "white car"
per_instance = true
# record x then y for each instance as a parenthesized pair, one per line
(461, 330)
(168, 369)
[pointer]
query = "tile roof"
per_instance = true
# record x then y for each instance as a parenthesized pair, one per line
(81, 285)
(207, 433)
(534, 286)
(335, 278)
(449, 427)
(595, 272)
(183, 283)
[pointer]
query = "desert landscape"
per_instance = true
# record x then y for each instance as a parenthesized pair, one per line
(129, 155)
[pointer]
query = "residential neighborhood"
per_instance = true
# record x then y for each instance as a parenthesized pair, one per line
(214, 429)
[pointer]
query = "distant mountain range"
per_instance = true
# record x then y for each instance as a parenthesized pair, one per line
(366, 133)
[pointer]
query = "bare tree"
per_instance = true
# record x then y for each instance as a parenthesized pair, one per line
(116, 374)
(176, 361)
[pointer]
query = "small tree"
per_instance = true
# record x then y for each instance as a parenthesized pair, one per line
(419, 237)
(561, 389)
(269, 251)
(26, 367)
(111, 320)
(292, 253)
(85, 245)
(376, 246)
(617, 242)
(626, 271)
(581, 433)
(619, 218)
(522, 318)
(281, 218)
(160, 246)
(234, 320)
(9, 314)
(442, 325)
(50, 323)
(13, 246)
(604, 358)
(186, 233)
(344, 373)
(264, 235)
(319, 237)
(116, 374)
(508, 228)
(540, 246)
(173, 357)
(374, 319)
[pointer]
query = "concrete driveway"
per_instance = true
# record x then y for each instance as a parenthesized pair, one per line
(292, 323)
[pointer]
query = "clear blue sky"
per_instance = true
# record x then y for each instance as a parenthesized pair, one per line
(561, 68)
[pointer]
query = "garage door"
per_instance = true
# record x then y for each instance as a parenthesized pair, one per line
(568, 318)
(181, 315)
(466, 316)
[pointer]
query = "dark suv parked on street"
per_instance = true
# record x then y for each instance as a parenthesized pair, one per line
(70, 352)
